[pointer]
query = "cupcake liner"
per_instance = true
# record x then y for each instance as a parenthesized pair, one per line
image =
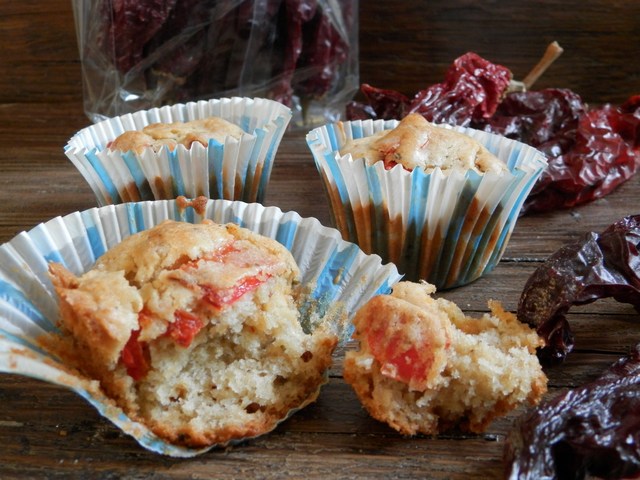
(339, 276)
(448, 229)
(236, 170)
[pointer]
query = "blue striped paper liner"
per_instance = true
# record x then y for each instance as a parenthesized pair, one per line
(117, 177)
(337, 272)
(435, 229)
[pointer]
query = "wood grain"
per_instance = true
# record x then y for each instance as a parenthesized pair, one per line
(414, 51)
(49, 432)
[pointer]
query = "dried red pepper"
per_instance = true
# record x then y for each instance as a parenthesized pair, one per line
(594, 429)
(381, 103)
(545, 119)
(597, 266)
(129, 25)
(325, 48)
(184, 15)
(471, 91)
(591, 151)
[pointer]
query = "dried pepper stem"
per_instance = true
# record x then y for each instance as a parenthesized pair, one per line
(551, 54)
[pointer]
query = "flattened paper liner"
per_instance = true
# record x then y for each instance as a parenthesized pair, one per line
(338, 273)
(233, 170)
(446, 228)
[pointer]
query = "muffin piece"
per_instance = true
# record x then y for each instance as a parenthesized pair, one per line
(194, 331)
(158, 135)
(416, 143)
(425, 367)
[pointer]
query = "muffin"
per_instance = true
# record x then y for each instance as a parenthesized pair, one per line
(337, 278)
(438, 201)
(194, 331)
(221, 149)
(424, 367)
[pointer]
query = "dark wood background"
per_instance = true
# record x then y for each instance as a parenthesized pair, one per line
(408, 45)
(47, 432)
(405, 45)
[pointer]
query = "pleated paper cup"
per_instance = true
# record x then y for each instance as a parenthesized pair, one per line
(233, 170)
(339, 278)
(446, 228)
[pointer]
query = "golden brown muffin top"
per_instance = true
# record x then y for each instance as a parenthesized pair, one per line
(416, 143)
(158, 135)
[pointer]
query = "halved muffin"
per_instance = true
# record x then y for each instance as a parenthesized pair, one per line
(194, 331)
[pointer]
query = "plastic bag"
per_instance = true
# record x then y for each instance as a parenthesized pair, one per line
(139, 54)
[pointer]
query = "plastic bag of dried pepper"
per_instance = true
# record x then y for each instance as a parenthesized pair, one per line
(139, 54)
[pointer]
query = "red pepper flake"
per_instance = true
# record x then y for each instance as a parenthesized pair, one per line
(227, 296)
(135, 357)
(400, 359)
(184, 328)
(218, 256)
(389, 164)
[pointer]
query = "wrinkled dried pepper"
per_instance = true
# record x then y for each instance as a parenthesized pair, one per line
(593, 429)
(599, 265)
(472, 90)
(591, 151)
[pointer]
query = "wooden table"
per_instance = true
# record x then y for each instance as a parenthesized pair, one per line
(48, 432)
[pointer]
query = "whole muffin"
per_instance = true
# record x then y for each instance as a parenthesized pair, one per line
(439, 202)
(220, 148)
(424, 367)
(193, 330)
